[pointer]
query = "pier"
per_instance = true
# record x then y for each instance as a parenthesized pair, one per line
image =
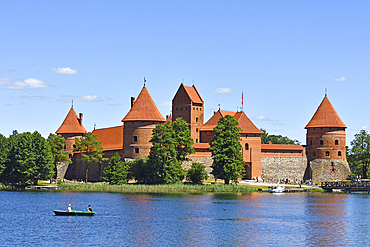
(348, 187)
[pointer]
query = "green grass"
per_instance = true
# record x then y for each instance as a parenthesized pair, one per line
(155, 188)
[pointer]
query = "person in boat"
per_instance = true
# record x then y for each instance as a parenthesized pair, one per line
(89, 209)
(69, 209)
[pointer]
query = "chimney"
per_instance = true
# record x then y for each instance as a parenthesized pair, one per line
(80, 119)
(132, 101)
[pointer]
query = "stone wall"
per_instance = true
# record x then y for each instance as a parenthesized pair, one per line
(62, 169)
(289, 168)
(207, 161)
(322, 170)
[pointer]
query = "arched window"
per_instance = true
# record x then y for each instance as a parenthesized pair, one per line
(339, 153)
(327, 153)
(246, 146)
(314, 153)
(336, 142)
(321, 142)
(310, 142)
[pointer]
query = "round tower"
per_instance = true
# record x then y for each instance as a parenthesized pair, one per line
(326, 145)
(139, 124)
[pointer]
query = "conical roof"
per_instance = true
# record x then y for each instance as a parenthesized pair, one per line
(325, 116)
(71, 124)
(144, 109)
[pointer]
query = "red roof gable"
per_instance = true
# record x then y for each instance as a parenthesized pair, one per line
(144, 109)
(193, 94)
(245, 123)
(325, 116)
(110, 138)
(71, 124)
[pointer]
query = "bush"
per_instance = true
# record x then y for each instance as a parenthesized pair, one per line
(197, 173)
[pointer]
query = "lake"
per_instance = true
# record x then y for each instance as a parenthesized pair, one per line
(178, 219)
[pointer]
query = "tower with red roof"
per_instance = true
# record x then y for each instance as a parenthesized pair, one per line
(326, 145)
(138, 125)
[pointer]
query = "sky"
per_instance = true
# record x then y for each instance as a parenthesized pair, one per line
(281, 55)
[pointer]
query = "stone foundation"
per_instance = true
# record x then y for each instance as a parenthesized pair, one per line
(62, 169)
(322, 170)
(207, 161)
(289, 168)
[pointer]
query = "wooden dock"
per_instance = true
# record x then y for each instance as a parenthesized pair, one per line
(348, 187)
(41, 187)
(289, 190)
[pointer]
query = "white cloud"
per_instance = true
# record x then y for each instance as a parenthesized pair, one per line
(267, 120)
(166, 103)
(30, 83)
(83, 98)
(340, 79)
(64, 71)
(5, 80)
(223, 90)
(358, 128)
(32, 97)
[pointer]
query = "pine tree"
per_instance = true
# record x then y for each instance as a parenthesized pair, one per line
(226, 149)
(116, 172)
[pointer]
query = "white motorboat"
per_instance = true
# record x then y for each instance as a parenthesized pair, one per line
(277, 189)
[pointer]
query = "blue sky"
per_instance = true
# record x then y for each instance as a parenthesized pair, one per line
(280, 54)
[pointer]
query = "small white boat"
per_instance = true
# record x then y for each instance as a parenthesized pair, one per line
(277, 189)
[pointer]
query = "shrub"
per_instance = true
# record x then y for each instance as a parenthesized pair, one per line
(197, 173)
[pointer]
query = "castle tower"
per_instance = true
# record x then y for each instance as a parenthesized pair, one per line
(138, 125)
(326, 145)
(189, 105)
(70, 129)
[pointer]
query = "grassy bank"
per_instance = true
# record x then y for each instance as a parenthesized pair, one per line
(155, 188)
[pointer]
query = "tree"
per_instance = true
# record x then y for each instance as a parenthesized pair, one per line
(138, 170)
(359, 154)
(197, 173)
(91, 150)
(163, 166)
(4, 153)
(277, 139)
(56, 143)
(116, 172)
(44, 159)
(183, 141)
(226, 149)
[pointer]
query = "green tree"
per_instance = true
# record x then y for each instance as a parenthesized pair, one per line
(43, 157)
(359, 154)
(116, 172)
(4, 153)
(226, 149)
(56, 143)
(197, 173)
(138, 170)
(163, 166)
(91, 150)
(182, 138)
(277, 139)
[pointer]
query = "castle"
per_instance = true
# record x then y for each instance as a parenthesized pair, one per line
(323, 158)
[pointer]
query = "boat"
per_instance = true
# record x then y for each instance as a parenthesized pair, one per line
(277, 189)
(73, 213)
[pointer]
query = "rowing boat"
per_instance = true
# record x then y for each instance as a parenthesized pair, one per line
(73, 213)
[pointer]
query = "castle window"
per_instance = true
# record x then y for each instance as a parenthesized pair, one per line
(197, 108)
(336, 142)
(196, 129)
(321, 142)
(193, 108)
(200, 109)
(255, 135)
(136, 150)
(314, 154)
(327, 153)
(339, 153)
(135, 138)
(310, 142)
(186, 108)
(246, 146)
(196, 119)
(196, 140)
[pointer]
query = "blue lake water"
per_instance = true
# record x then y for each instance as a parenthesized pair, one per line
(174, 219)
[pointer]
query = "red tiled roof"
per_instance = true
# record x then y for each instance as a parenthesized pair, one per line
(281, 147)
(110, 138)
(325, 116)
(144, 109)
(245, 123)
(71, 124)
(193, 94)
(201, 145)
(169, 119)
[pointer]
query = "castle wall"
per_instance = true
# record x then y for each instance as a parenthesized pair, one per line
(207, 161)
(322, 170)
(289, 168)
